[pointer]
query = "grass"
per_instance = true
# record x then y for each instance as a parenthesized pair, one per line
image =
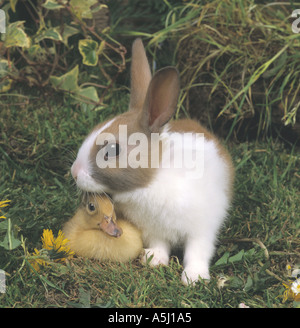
(238, 61)
(261, 236)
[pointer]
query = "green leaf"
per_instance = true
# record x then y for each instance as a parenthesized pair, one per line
(88, 93)
(52, 33)
(249, 284)
(101, 47)
(5, 84)
(67, 32)
(3, 224)
(52, 5)
(10, 242)
(235, 283)
(36, 53)
(89, 51)
(82, 8)
(84, 298)
(87, 97)
(236, 258)
(13, 5)
(68, 81)
(15, 36)
(250, 253)
(224, 259)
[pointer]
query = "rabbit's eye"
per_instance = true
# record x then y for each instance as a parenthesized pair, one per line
(112, 150)
(91, 207)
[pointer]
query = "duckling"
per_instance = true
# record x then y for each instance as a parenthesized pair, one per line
(94, 232)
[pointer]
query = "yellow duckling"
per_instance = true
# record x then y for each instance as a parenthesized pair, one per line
(94, 232)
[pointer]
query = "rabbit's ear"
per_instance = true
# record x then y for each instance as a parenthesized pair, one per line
(140, 75)
(161, 99)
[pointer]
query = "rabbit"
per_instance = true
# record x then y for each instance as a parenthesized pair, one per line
(172, 205)
(93, 232)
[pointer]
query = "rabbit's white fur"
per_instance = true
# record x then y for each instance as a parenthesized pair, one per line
(84, 180)
(171, 206)
(173, 210)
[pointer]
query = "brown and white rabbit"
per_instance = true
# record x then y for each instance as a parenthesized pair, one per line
(172, 204)
(94, 232)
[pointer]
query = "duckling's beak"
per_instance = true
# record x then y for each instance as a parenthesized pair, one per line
(110, 227)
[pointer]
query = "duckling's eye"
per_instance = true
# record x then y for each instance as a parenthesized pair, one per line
(112, 150)
(91, 207)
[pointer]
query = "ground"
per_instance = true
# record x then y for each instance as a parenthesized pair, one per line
(259, 239)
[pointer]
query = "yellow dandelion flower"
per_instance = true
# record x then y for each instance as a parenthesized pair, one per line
(61, 242)
(54, 249)
(37, 260)
(4, 203)
(47, 239)
(57, 246)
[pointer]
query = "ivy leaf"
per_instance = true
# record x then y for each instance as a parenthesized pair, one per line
(52, 5)
(82, 8)
(68, 81)
(51, 33)
(13, 5)
(88, 93)
(67, 32)
(87, 98)
(15, 36)
(101, 47)
(89, 51)
(36, 52)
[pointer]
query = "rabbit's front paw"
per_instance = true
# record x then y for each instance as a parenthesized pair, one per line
(190, 275)
(155, 256)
